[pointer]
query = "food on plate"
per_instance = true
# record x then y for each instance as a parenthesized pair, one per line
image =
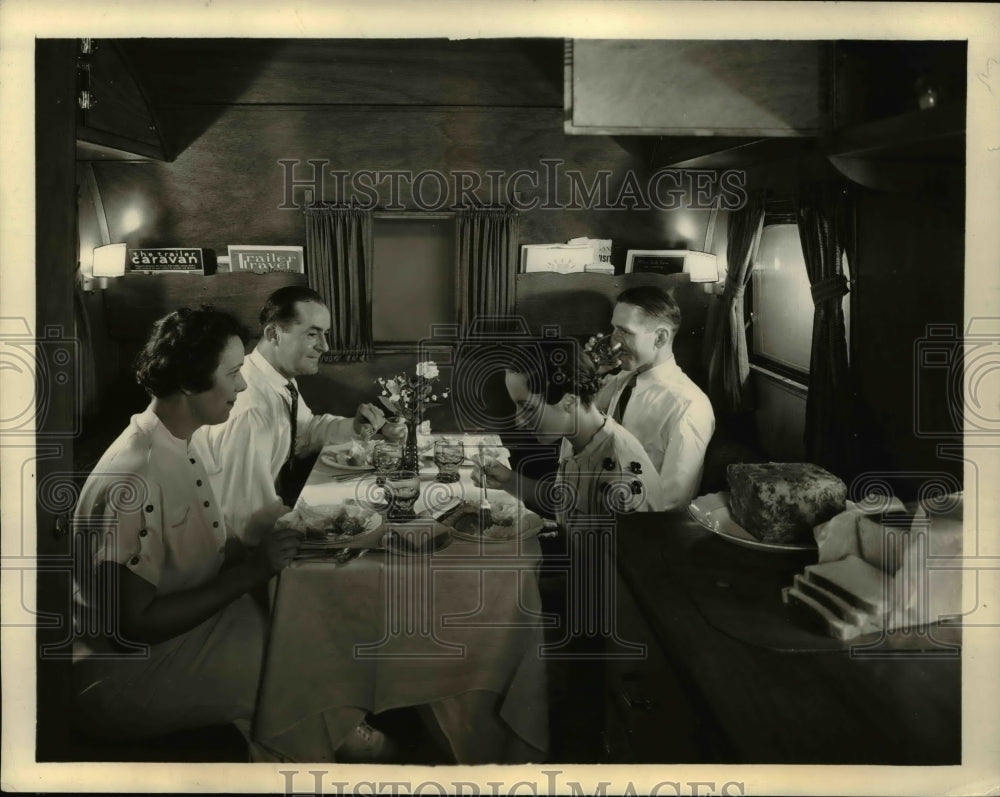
(781, 502)
(465, 520)
(326, 521)
(356, 454)
(420, 536)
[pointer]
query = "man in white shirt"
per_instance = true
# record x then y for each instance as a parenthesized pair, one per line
(652, 397)
(250, 457)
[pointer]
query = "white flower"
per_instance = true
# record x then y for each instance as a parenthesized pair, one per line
(428, 369)
(433, 397)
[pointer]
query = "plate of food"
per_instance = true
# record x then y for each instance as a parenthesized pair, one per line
(423, 536)
(510, 522)
(327, 526)
(712, 512)
(353, 456)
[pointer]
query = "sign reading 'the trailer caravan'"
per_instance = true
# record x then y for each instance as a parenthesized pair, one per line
(264, 259)
(166, 260)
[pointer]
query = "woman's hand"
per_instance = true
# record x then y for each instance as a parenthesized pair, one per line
(263, 520)
(492, 474)
(276, 549)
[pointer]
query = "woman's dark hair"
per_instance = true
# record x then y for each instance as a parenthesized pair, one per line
(554, 368)
(280, 305)
(183, 350)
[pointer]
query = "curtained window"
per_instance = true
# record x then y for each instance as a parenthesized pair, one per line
(390, 278)
(339, 267)
(783, 310)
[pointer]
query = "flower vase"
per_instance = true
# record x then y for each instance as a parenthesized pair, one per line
(411, 459)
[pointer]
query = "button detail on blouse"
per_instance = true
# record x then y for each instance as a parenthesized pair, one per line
(143, 532)
(198, 482)
(215, 524)
(206, 503)
(192, 460)
(134, 560)
(149, 507)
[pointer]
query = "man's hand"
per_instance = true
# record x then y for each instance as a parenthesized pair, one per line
(368, 420)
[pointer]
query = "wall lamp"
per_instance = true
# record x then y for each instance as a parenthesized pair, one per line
(108, 261)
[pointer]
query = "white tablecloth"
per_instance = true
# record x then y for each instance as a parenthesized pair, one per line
(459, 631)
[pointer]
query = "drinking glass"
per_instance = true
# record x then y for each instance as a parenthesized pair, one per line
(402, 487)
(605, 351)
(386, 456)
(448, 455)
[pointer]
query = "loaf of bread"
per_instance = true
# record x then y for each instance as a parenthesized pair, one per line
(781, 502)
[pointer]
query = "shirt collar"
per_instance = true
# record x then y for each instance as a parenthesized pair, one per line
(270, 374)
(595, 442)
(663, 372)
(150, 423)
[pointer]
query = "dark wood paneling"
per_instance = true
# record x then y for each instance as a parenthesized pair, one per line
(135, 301)
(352, 71)
(50, 468)
(228, 186)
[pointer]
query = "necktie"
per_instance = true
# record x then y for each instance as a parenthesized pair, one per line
(293, 416)
(626, 394)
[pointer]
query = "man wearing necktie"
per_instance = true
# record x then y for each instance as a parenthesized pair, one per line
(652, 397)
(260, 455)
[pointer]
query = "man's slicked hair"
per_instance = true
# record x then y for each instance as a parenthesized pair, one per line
(280, 306)
(658, 305)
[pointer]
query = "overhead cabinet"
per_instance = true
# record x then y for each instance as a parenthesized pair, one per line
(696, 88)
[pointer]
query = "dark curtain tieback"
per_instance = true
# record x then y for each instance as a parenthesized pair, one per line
(829, 288)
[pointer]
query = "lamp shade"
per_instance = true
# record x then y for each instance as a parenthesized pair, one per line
(109, 261)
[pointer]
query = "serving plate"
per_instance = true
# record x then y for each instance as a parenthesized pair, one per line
(712, 512)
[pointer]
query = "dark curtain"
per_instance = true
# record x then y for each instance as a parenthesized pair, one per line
(728, 362)
(488, 252)
(339, 250)
(825, 217)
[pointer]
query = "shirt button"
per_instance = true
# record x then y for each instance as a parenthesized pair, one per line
(149, 507)
(134, 560)
(198, 482)
(192, 460)
(215, 524)
(206, 503)
(143, 532)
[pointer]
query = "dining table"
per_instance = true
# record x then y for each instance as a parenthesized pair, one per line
(456, 632)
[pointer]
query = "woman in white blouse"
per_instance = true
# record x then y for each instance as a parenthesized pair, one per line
(171, 638)
(603, 469)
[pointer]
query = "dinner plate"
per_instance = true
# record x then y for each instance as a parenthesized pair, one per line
(315, 543)
(394, 544)
(329, 458)
(530, 525)
(712, 512)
